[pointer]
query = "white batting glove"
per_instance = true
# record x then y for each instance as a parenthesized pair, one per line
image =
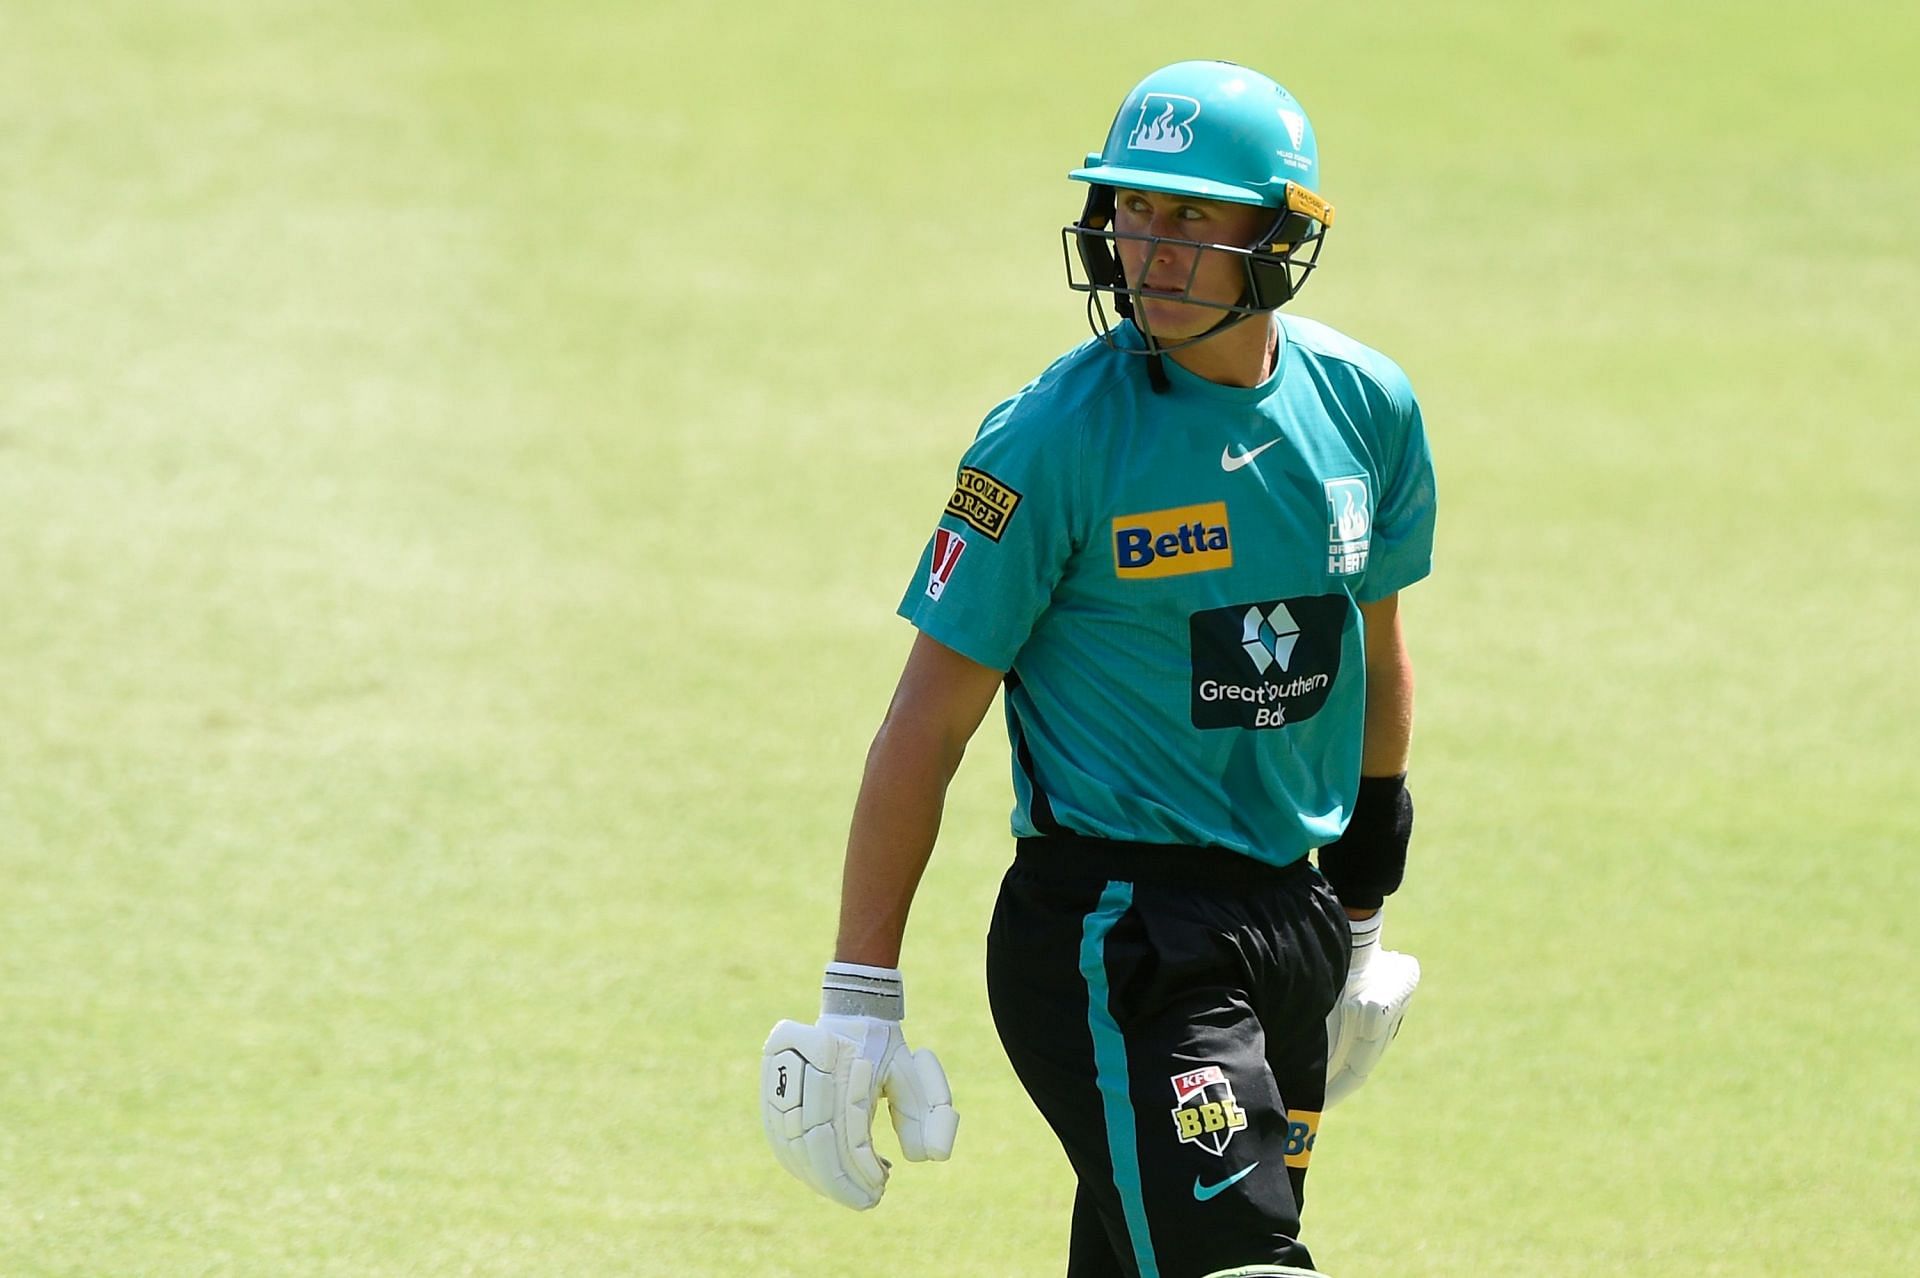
(1380, 984)
(819, 1085)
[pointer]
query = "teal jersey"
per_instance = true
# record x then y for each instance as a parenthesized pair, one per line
(1170, 581)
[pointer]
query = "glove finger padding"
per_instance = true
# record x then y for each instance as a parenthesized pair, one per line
(920, 1104)
(816, 1104)
(1339, 1045)
(1366, 1019)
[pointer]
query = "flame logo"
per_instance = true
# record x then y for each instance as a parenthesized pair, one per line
(1352, 524)
(1165, 123)
(1347, 520)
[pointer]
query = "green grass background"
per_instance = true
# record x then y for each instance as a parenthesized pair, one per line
(457, 464)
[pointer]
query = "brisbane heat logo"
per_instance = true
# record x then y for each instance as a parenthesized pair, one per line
(1165, 123)
(1204, 1111)
(1349, 525)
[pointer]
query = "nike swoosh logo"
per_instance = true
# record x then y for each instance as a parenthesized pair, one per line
(1203, 1192)
(1232, 461)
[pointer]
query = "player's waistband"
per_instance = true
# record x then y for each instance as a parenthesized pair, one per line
(1079, 856)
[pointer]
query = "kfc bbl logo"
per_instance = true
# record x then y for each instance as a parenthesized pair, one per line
(1205, 1113)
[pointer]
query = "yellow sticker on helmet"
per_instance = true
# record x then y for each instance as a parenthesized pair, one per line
(1301, 200)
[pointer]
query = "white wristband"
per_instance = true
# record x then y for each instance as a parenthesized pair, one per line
(1366, 941)
(855, 989)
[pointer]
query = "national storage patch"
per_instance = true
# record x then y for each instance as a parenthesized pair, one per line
(1169, 543)
(982, 501)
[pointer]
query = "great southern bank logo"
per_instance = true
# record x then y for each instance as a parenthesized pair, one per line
(1165, 123)
(1268, 637)
(1266, 663)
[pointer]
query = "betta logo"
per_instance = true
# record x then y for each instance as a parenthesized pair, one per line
(1171, 543)
(1165, 123)
(1303, 1129)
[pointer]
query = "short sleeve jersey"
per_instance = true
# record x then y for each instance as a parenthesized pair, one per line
(1170, 580)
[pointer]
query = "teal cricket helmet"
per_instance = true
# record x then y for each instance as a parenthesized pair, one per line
(1211, 129)
(1217, 131)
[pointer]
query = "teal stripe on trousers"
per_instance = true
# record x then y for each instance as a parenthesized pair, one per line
(1110, 1068)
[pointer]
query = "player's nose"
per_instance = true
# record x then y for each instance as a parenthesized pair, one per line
(1167, 259)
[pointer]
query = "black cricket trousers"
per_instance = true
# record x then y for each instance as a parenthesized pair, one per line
(1165, 1007)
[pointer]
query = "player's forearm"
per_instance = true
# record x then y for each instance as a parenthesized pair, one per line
(895, 822)
(1389, 719)
(1389, 713)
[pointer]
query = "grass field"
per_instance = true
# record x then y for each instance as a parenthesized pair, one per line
(458, 462)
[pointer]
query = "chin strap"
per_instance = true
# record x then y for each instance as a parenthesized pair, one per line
(1156, 360)
(1156, 354)
(1157, 374)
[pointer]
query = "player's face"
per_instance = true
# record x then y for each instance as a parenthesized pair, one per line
(1184, 222)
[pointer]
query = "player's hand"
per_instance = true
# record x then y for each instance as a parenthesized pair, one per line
(1380, 984)
(820, 1084)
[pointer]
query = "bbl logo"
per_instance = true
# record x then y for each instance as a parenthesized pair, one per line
(1165, 123)
(1267, 663)
(1205, 1113)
